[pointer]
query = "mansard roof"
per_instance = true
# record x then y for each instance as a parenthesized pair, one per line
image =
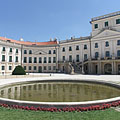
(27, 42)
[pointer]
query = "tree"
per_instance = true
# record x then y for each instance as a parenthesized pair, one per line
(19, 70)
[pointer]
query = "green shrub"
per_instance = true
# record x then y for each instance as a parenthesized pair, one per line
(19, 71)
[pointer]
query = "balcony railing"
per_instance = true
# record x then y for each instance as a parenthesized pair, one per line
(85, 60)
(94, 58)
(117, 57)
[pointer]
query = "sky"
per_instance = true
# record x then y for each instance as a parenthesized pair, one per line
(40, 20)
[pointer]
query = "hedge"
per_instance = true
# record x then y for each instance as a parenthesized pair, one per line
(19, 70)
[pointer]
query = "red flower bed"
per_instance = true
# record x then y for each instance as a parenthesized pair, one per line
(65, 109)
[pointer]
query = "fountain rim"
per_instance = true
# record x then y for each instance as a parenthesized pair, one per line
(48, 104)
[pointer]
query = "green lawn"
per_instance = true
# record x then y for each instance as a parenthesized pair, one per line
(12, 114)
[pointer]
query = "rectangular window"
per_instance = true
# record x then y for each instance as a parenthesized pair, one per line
(96, 54)
(16, 50)
(107, 44)
(106, 24)
(70, 58)
(63, 68)
(10, 67)
(85, 47)
(40, 60)
(49, 67)
(30, 68)
(10, 58)
(63, 49)
(49, 51)
(24, 67)
(25, 60)
(54, 59)
(45, 60)
(54, 67)
(117, 21)
(96, 26)
(3, 58)
(63, 58)
(118, 53)
(70, 48)
(118, 42)
(16, 59)
(25, 51)
(30, 59)
(35, 59)
(45, 68)
(77, 47)
(107, 54)
(10, 49)
(35, 68)
(54, 51)
(85, 56)
(49, 60)
(30, 51)
(3, 49)
(2, 67)
(77, 58)
(96, 45)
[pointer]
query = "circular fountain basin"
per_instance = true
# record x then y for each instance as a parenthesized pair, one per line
(59, 93)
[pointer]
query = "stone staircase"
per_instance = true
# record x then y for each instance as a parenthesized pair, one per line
(77, 67)
(71, 68)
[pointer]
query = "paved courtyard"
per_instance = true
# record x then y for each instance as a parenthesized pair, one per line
(46, 76)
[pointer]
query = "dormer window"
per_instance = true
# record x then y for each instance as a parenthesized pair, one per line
(106, 24)
(96, 26)
(8, 40)
(34, 44)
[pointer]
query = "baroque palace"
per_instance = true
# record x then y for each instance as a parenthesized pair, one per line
(98, 53)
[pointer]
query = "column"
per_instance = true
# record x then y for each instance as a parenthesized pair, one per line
(112, 67)
(83, 68)
(89, 68)
(99, 68)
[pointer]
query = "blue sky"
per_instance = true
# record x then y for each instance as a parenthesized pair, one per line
(44, 19)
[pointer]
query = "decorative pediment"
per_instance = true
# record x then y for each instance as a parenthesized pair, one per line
(40, 52)
(106, 33)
